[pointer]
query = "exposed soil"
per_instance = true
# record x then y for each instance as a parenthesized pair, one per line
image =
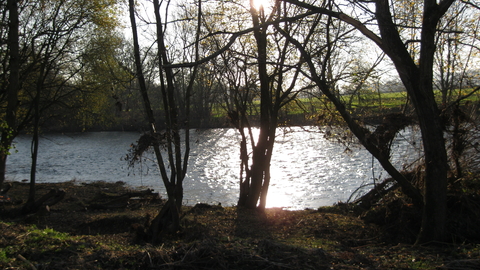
(94, 227)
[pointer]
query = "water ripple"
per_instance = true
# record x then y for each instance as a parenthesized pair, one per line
(306, 169)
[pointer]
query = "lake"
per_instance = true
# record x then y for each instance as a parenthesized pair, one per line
(307, 171)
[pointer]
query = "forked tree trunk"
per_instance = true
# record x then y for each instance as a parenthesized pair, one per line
(273, 96)
(262, 151)
(418, 82)
(168, 218)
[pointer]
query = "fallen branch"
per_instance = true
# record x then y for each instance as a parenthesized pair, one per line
(23, 259)
(115, 201)
(53, 197)
(375, 194)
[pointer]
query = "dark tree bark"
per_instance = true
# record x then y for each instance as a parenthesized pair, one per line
(10, 130)
(168, 219)
(273, 96)
(418, 80)
(30, 204)
(261, 154)
(172, 219)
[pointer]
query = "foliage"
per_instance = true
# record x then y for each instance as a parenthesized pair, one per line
(145, 142)
(54, 37)
(6, 130)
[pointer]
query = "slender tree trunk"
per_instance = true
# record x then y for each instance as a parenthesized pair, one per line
(268, 159)
(145, 97)
(178, 163)
(171, 113)
(260, 153)
(168, 217)
(30, 204)
(244, 166)
(9, 132)
(3, 165)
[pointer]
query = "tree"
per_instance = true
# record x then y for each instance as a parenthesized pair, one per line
(47, 63)
(455, 59)
(276, 73)
(107, 81)
(168, 219)
(9, 128)
(417, 76)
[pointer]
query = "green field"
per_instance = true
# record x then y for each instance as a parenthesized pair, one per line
(371, 104)
(398, 99)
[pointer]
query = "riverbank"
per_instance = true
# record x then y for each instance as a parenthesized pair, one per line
(93, 228)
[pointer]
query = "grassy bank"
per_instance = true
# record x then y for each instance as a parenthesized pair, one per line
(89, 229)
(368, 106)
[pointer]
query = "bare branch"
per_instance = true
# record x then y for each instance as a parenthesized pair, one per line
(471, 4)
(342, 16)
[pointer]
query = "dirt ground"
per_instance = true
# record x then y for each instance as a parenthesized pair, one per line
(94, 227)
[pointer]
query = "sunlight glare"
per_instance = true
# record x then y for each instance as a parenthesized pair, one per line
(261, 3)
(278, 199)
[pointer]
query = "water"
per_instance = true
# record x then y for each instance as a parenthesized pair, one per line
(307, 170)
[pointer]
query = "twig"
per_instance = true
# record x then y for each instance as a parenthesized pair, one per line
(26, 261)
(149, 258)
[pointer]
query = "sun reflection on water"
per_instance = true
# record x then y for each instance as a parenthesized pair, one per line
(306, 171)
(278, 198)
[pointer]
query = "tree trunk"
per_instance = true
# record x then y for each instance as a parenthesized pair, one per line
(168, 219)
(244, 182)
(9, 131)
(261, 154)
(167, 215)
(3, 161)
(30, 204)
(418, 81)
